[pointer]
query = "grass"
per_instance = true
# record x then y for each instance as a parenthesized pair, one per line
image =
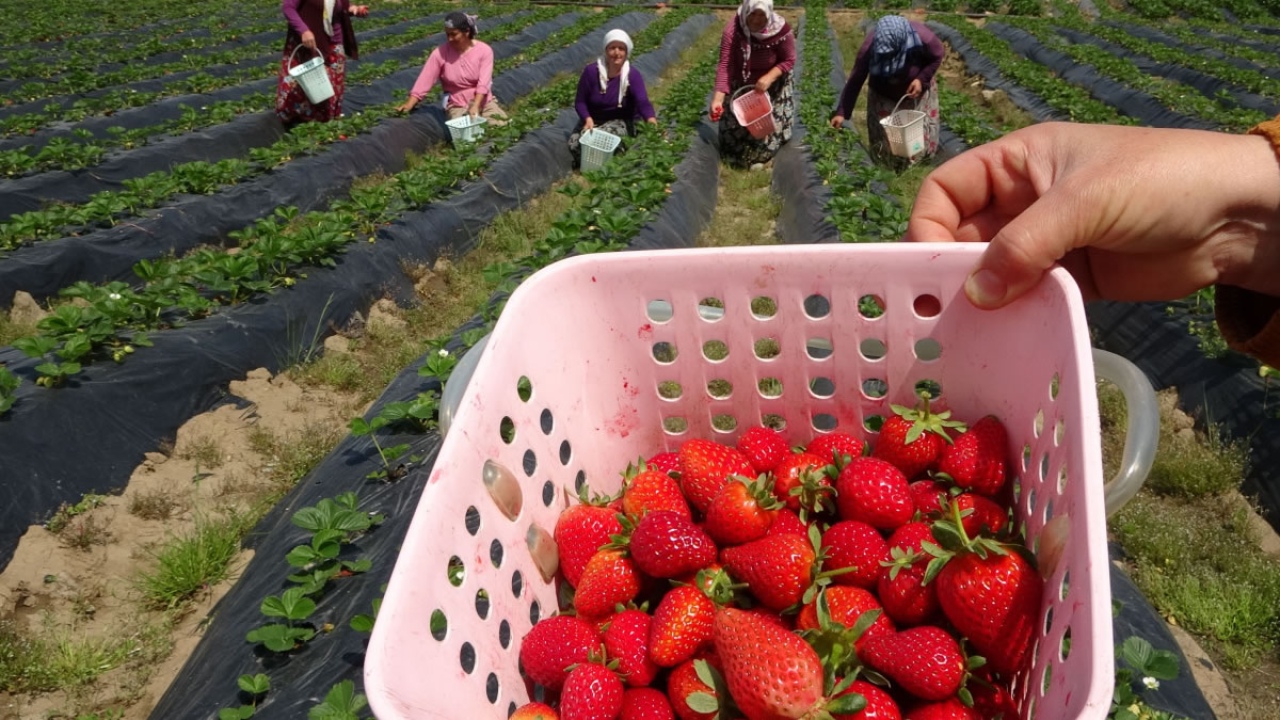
(746, 210)
(56, 658)
(205, 451)
(190, 563)
(153, 505)
(290, 456)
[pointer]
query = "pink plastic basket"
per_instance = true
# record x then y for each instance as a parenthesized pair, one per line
(754, 111)
(578, 378)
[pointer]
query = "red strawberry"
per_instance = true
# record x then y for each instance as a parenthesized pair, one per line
(705, 467)
(786, 522)
(553, 645)
(924, 660)
(875, 492)
(534, 711)
(844, 606)
(626, 639)
(928, 496)
(993, 599)
(976, 460)
(880, 705)
(902, 588)
(836, 447)
(684, 681)
(771, 673)
(980, 515)
(645, 704)
(665, 462)
(665, 544)
(741, 512)
(591, 692)
(611, 578)
(646, 490)
(580, 531)
(913, 438)
(777, 568)
(850, 544)
(992, 699)
(681, 625)
(801, 481)
(763, 447)
(949, 709)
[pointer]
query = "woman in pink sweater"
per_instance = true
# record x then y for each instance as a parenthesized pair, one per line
(757, 54)
(464, 68)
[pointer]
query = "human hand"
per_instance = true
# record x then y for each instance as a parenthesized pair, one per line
(588, 124)
(309, 40)
(1133, 213)
(915, 88)
(360, 10)
(717, 109)
(762, 85)
(406, 106)
(837, 121)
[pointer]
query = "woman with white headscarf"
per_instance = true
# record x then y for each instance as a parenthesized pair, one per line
(757, 52)
(321, 27)
(897, 60)
(611, 94)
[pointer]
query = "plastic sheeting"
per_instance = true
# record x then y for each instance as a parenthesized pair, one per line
(978, 64)
(1153, 35)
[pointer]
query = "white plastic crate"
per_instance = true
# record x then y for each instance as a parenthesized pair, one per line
(466, 128)
(597, 148)
(905, 131)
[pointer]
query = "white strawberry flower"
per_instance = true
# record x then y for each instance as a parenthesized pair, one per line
(1151, 683)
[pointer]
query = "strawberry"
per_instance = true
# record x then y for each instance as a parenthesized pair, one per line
(534, 711)
(855, 546)
(976, 460)
(913, 438)
(705, 467)
(980, 515)
(645, 489)
(949, 709)
(993, 599)
(580, 531)
(787, 522)
(879, 705)
(875, 492)
(700, 677)
(801, 481)
(626, 640)
(763, 447)
(645, 704)
(666, 544)
(777, 568)
(992, 699)
(665, 462)
(681, 625)
(928, 496)
(902, 588)
(591, 692)
(844, 606)
(554, 644)
(611, 578)
(741, 512)
(836, 447)
(771, 673)
(924, 660)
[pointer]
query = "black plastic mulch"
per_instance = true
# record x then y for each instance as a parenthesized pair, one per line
(978, 64)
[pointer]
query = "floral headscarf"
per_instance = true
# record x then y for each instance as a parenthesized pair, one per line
(894, 38)
(461, 21)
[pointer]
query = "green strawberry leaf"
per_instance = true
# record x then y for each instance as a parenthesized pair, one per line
(847, 704)
(702, 702)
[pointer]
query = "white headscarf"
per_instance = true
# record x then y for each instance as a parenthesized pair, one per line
(772, 27)
(328, 17)
(611, 37)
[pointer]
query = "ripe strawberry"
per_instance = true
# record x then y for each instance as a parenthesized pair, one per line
(880, 705)
(681, 625)
(645, 704)
(854, 545)
(991, 698)
(626, 640)
(949, 709)
(554, 644)
(875, 492)
(705, 467)
(902, 588)
(771, 673)
(913, 438)
(611, 578)
(992, 597)
(665, 462)
(801, 481)
(836, 447)
(844, 606)
(534, 711)
(980, 515)
(646, 490)
(976, 460)
(580, 531)
(763, 447)
(741, 512)
(665, 544)
(684, 681)
(591, 692)
(928, 496)
(786, 522)
(924, 660)
(776, 568)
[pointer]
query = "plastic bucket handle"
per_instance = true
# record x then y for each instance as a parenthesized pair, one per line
(298, 47)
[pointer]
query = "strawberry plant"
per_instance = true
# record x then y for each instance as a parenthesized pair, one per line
(342, 702)
(294, 607)
(255, 687)
(8, 389)
(1139, 666)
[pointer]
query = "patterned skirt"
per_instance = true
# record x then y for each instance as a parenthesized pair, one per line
(292, 105)
(621, 128)
(880, 106)
(739, 148)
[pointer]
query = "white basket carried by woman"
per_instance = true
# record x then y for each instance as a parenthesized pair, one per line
(905, 131)
(312, 76)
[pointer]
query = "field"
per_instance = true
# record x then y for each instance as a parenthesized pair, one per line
(223, 344)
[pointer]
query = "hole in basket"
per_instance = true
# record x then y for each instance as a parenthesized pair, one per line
(875, 388)
(504, 634)
(822, 387)
(1055, 386)
(767, 348)
(711, 309)
(817, 306)
(511, 709)
(535, 612)
(566, 452)
(1064, 649)
(928, 385)
(1026, 457)
(1015, 486)
(455, 571)
(482, 604)
(1044, 467)
(675, 425)
(467, 658)
(724, 423)
(824, 422)
(1062, 478)
(928, 349)
(507, 430)
(1048, 621)
(1047, 682)
(1059, 432)
(763, 307)
(873, 349)
(871, 306)
(927, 306)
(524, 388)
(715, 350)
(1031, 500)
(579, 481)
(873, 423)
(1037, 425)
(1065, 588)
(1048, 511)
(773, 420)
(659, 311)
(529, 463)
(503, 488)
(547, 421)
(495, 552)
(720, 388)
(548, 493)
(770, 387)
(665, 352)
(517, 583)
(491, 688)
(439, 624)
(670, 390)
(818, 348)
(472, 519)
(539, 693)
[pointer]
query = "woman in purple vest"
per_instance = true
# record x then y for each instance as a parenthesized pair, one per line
(611, 95)
(323, 27)
(757, 54)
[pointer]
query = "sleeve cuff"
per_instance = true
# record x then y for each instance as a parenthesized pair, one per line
(1249, 322)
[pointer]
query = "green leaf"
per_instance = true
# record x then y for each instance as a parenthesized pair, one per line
(279, 638)
(302, 555)
(341, 703)
(362, 623)
(847, 704)
(702, 702)
(254, 684)
(244, 712)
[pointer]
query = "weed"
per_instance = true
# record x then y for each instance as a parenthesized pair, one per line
(293, 455)
(190, 563)
(204, 450)
(153, 505)
(65, 513)
(85, 532)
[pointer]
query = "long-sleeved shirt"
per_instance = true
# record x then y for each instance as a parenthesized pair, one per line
(1250, 322)
(922, 63)
(290, 9)
(463, 76)
(778, 51)
(603, 107)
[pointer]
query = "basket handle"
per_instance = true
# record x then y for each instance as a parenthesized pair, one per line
(1142, 433)
(895, 107)
(456, 384)
(296, 48)
(738, 93)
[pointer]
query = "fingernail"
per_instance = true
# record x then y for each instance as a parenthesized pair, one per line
(985, 288)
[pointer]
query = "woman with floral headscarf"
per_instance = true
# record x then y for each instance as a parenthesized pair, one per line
(321, 27)
(611, 94)
(464, 67)
(897, 60)
(757, 52)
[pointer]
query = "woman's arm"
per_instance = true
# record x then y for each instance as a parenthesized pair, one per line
(935, 51)
(853, 86)
(644, 108)
(426, 80)
(289, 8)
(484, 86)
(588, 80)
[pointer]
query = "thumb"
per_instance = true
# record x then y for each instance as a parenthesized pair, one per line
(1023, 250)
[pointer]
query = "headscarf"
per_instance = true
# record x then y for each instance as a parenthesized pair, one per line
(611, 37)
(772, 27)
(461, 21)
(893, 41)
(328, 17)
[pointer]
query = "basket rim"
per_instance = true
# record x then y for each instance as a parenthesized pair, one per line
(602, 140)
(466, 121)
